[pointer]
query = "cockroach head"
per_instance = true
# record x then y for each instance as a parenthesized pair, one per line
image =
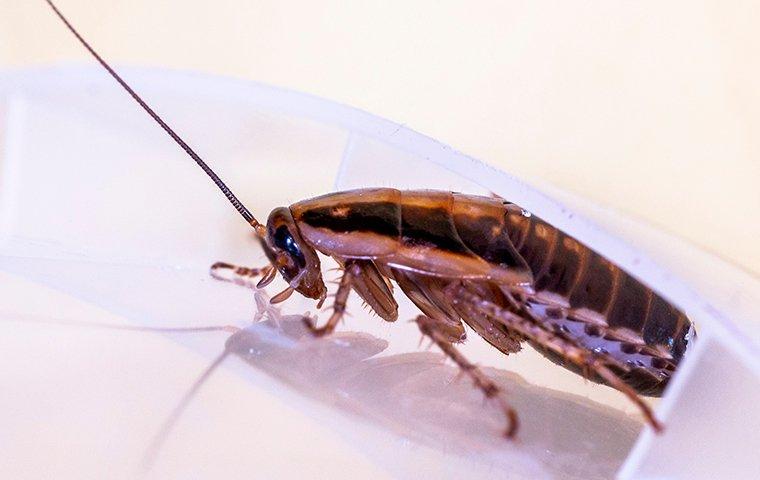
(296, 260)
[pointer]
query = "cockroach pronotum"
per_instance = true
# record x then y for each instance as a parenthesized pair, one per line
(484, 261)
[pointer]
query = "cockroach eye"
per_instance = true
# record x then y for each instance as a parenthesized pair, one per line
(284, 241)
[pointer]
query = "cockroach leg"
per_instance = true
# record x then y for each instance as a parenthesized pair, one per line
(339, 306)
(374, 289)
(614, 381)
(441, 333)
(242, 276)
(539, 333)
(595, 364)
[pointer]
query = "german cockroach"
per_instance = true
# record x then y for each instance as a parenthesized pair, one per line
(459, 258)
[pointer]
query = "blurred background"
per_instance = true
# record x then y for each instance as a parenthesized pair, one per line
(651, 108)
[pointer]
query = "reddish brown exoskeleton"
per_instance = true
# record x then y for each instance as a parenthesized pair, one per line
(509, 275)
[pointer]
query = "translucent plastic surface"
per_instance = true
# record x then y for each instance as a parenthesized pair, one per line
(706, 407)
(103, 219)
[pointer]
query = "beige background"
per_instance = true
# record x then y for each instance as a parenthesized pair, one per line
(650, 107)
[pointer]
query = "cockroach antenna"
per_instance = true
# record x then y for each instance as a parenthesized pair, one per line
(260, 229)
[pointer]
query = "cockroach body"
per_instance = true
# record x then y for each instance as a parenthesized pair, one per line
(428, 240)
(509, 275)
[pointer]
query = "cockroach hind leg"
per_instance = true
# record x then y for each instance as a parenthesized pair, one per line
(614, 381)
(530, 327)
(440, 333)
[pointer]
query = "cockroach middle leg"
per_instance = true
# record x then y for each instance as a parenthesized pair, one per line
(444, 333)
(339, 306)
(375, 289)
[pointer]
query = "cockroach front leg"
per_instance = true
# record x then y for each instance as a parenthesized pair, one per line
(444, 333)
(339, 306)
(243, 276)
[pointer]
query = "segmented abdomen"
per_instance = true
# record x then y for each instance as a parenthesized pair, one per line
(603, 307)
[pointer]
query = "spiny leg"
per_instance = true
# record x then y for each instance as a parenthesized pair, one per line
(243, 276)
(443, 333)
(339, 306)
(594, 363)
(370, 284)
(535, 330)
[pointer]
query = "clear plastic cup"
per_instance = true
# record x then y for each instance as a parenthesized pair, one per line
(104, 220)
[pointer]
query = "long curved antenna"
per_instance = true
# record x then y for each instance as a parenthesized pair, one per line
(219, 183)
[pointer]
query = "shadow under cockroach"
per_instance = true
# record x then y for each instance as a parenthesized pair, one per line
(418, 396)
(421, 397)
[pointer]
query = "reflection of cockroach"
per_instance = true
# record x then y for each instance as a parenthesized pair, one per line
(509, 275)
